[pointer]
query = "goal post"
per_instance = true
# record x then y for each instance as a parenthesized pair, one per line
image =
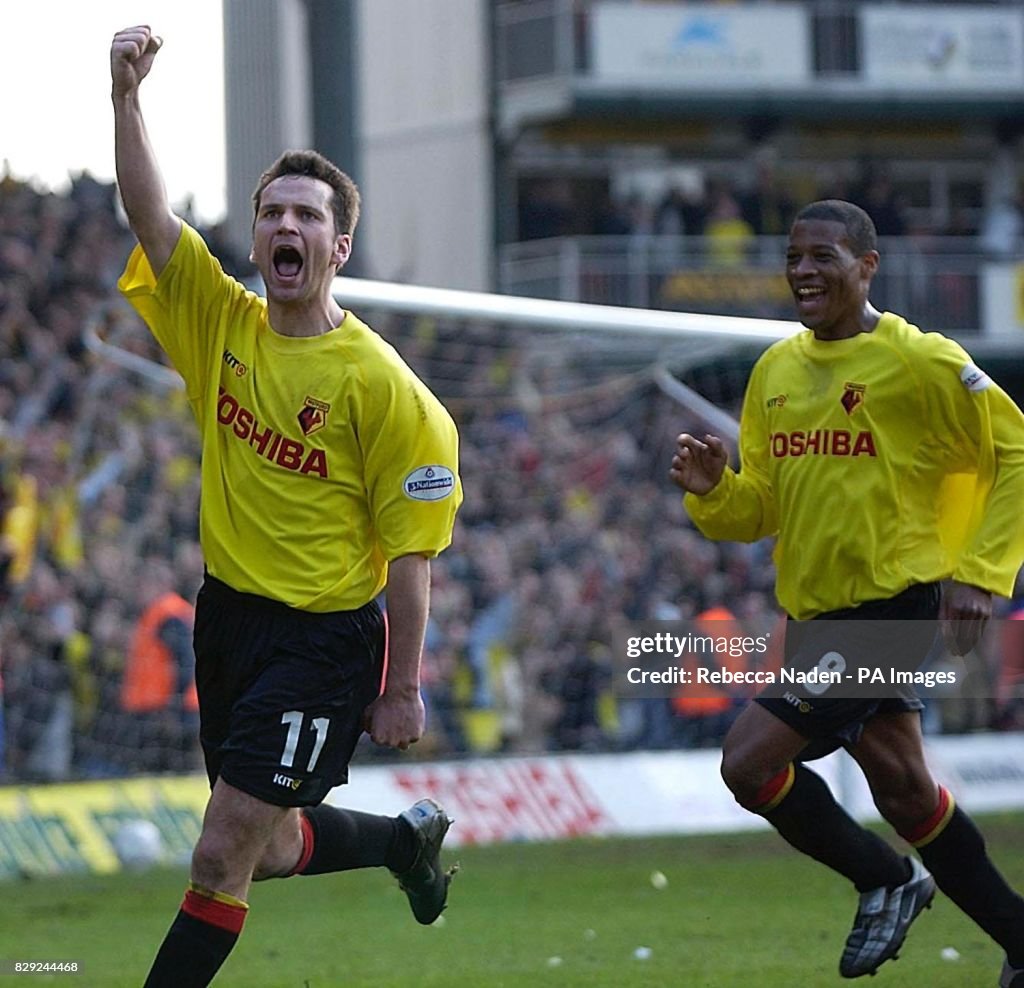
(517, 310)
(688, 337)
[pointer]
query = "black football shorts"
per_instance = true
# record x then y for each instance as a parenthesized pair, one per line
(282, 692)
(899, 630)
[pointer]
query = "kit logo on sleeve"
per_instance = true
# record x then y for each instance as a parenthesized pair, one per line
(974, 378)
(431, 483)
(235, 364)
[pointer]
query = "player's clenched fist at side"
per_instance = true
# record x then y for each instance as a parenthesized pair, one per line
(131, 57)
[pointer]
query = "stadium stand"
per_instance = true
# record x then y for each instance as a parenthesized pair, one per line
(568, 525)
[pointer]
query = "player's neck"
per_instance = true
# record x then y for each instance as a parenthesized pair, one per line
(865, 322)
(302, 317)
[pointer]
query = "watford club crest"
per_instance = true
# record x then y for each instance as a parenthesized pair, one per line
(853, 396)
(313, 415)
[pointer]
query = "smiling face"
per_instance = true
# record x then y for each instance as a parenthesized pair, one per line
(829, 281)
(295, 244)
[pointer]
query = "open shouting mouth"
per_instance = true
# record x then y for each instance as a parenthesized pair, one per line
(287, 262)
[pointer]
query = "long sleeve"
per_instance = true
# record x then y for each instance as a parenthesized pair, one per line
(742, 507)
(994, 550)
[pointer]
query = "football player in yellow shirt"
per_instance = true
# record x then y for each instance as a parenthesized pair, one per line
(886, 464)
(329, 475)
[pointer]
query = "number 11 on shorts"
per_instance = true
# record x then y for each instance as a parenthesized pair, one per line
(294, 718)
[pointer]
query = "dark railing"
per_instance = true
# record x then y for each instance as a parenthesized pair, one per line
(936, 284)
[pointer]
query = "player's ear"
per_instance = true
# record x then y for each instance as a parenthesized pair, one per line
(869, 263)
(342, 249)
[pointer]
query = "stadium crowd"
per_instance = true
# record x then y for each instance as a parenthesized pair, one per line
(729, 211)
(568, 529)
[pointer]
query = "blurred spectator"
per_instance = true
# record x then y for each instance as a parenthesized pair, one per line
(8, 546)
(444, 652)
(879, 199)
(577, 679)
(158, 689)
(704, 715)
(612, 218)
(42, 691)
(234, 262)
(680, 212)
(545, 210)
(729, 235)
(767, 207)
(1009, 672)
(1002, 229)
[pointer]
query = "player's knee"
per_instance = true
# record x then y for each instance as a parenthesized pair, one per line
(275, 863)
(284, 851)
(217, 859)
(268, 867)
(743, 780)
(906, 799)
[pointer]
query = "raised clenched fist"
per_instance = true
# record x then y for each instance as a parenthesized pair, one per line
(131, 57)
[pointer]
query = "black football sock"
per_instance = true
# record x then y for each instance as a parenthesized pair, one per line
(340, 840)
(800, 806)
(199, 940)
(953, 850)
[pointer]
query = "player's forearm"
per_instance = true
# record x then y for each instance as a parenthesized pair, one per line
(736, 510)
(408, 597)
(141, 184)
(995, 550)
(994, 554)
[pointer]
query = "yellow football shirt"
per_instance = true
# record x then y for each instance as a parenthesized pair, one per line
(323, 457)
(879, 461)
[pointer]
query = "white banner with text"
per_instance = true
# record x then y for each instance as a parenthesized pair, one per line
(947, 48)
(648, 793)
(701, 44)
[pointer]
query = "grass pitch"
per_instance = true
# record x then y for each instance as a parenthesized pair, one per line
(736, 911)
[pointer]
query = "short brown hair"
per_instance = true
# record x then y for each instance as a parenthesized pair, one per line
(345, 201)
